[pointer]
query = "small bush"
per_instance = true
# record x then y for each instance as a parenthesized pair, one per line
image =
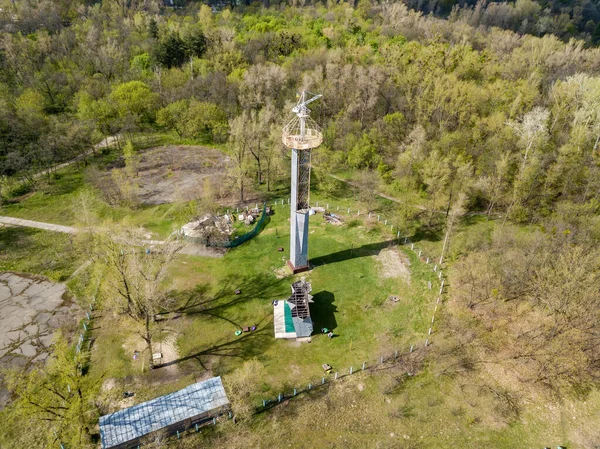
(20, 189)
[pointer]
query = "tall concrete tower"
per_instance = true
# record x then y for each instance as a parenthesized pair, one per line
(302, 134)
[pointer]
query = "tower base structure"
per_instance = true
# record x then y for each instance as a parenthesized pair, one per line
(296, 270)
(298, 241)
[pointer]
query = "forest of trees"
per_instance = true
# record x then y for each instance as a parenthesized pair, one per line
(494, 110)
(432, 106)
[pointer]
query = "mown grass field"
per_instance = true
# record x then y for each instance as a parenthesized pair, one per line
(350, 297)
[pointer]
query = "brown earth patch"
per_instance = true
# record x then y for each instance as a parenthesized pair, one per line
(178, 173)
(393, 264)
(168, 174)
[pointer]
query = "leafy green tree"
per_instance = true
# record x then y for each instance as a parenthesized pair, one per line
(196, 119)
(101, 113)
(170, 51)
(194, 42)
(134, 103)
(532, 131)
(56, 397)
(363, 154)
(174, 116)
(206, 121)
(435, 174)
(140, 64)
(132, 160)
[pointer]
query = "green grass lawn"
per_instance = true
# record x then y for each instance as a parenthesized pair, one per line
(382, 409)
(350, 297)
(58, 201)
(40, 252)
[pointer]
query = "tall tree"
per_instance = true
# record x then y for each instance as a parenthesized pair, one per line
(532, 131)
(136, 279)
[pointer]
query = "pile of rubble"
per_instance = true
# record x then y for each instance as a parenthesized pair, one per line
(210, 229)
(333, 218)
(251, 215)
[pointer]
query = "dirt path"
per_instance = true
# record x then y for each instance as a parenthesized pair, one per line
(37, 224)
(190, 249)
(104, 143)
(382, 195)
(396, 200)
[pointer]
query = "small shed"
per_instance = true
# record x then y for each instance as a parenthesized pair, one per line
(195, 404)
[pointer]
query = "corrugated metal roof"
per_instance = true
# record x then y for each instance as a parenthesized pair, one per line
(134, 422)
(303, 327)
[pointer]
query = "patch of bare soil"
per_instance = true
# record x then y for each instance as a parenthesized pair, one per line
(168, 349)
(166, 174)
(164, 371)
(282, 272)
(194, 249)
(178, 173)
(393, 264)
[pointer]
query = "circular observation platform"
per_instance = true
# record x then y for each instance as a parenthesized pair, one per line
(312, 138)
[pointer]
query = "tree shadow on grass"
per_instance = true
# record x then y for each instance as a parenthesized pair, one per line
(430, 234)
(222, 305)
(246, 346)
(323, 310)
(198, 301)
(370, 249)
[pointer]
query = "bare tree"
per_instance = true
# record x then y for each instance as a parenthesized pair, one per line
(240, 142)
(368, 189)
(532, 131)
(242, 385)
(135, 280)
(457, 210)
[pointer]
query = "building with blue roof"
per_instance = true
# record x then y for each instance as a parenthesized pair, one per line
(195, 404)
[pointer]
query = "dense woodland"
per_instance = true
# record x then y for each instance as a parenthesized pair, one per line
(494, 111)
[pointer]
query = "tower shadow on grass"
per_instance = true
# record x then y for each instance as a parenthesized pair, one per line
(198, 300)
(370, 249)
(323, 310)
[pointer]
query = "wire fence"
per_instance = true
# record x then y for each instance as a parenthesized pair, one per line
(84, 341)
(405, 356)
(408, 360)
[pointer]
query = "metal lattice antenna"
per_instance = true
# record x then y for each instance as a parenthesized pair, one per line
(301, 135)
